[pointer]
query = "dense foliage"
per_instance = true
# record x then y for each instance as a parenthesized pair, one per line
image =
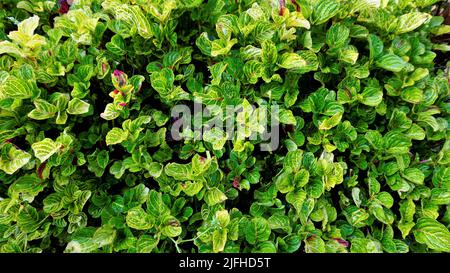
(87, 163)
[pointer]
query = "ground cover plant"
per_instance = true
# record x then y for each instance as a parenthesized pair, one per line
(358, 90)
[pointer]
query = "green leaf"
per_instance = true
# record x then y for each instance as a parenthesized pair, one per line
(116, 45)
(386, 199)
(222, 47)
(269, 53)
(53, 203)
(253, 71)
(440, 196)
(110, 112)
(372, 96)
(278, 221)
(324, 10)
(103, 159)
(356, 216)
(257, 230)
(349, 54)
(155, 205)
(391, 62)
(29, 219)
(399, 121)
(135, 196)
(146, 243)
(337, 35)
(162, 81)
(376, 46)
(284, 182)
(10, 48)
(432, 233)
(293, 161)
(416, 132)
(27, 186)
(192, 188)
(204, 44)
(290, 243)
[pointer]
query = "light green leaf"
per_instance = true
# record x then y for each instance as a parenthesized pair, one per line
(412, 95)
(116, 136)
(110, 112)
(138, 219)
(192, 188)
(296, 199)
(330, 122)
(10, 48)
(410, 21)
(285, 182)
(414, 175)
(253, 71)
(216, 136)
(286, 117)
(14, 159)
(77, 107)
(223, 217)
(349, 54)
(432, 233)
(314, 244)
(171, 226)
(178, 171)
(219, 239)
(45, 148)
(291, 61)
(269, 53)
(16, 88)
(214, 196)
(44, 110)
(104, 235)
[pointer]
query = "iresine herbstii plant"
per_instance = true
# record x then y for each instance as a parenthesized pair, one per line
(224, 126)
